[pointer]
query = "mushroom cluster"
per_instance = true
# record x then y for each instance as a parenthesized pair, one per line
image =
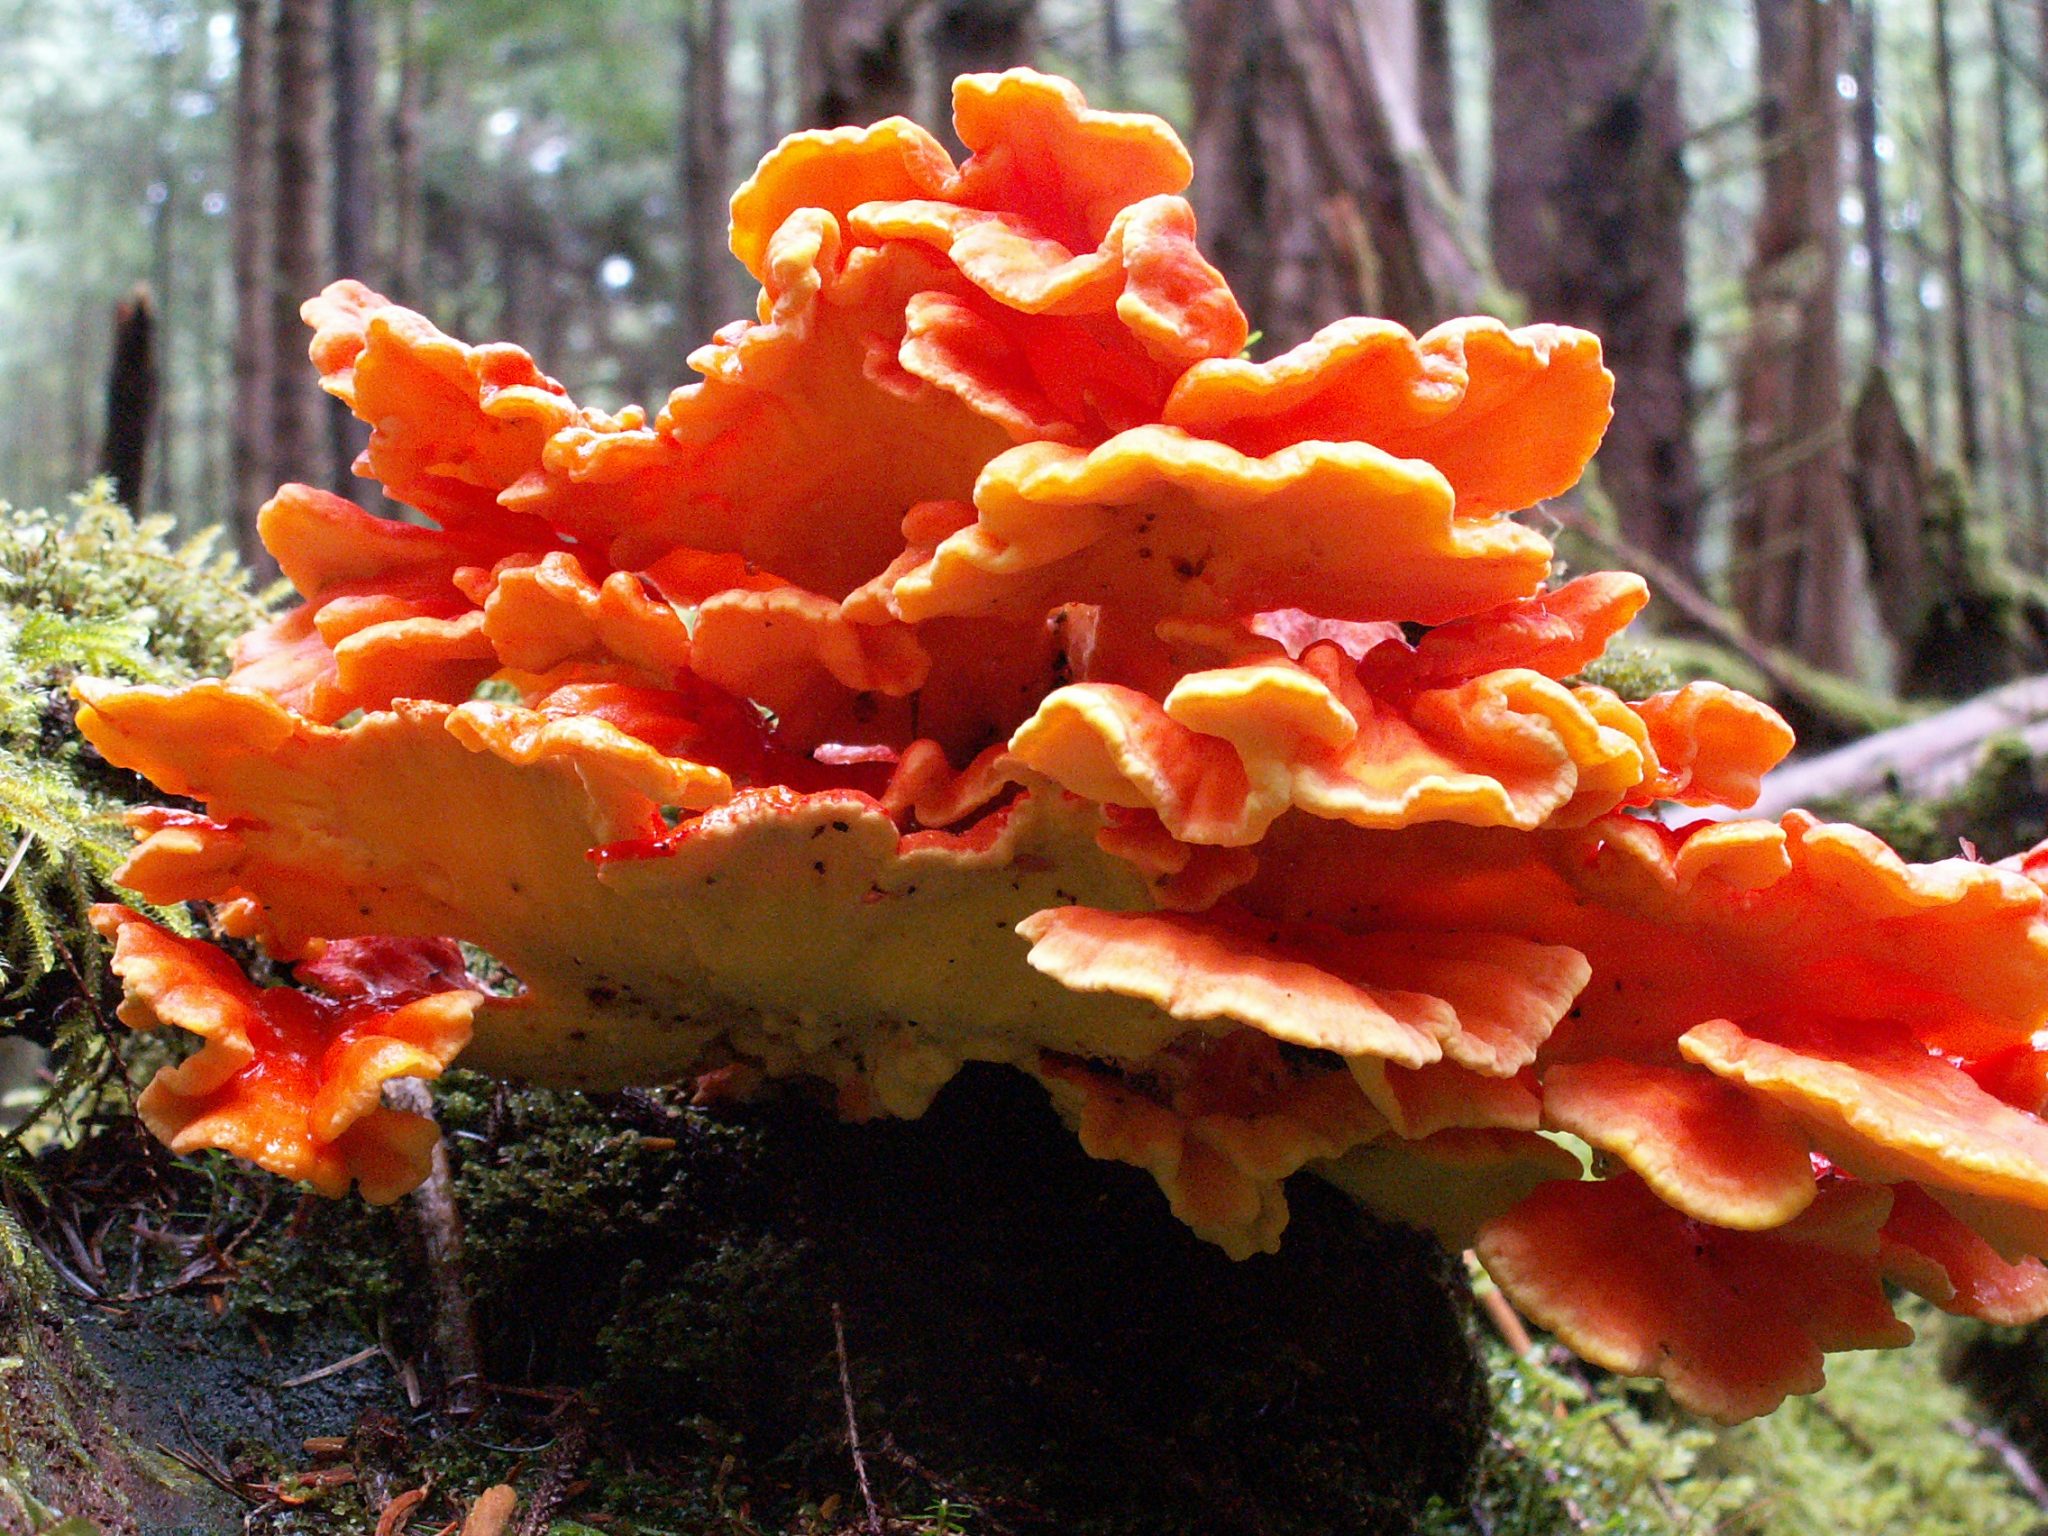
(985, 662)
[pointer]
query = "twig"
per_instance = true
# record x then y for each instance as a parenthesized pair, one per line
(433, 1207)
(946, 1488)
(1984, 1437)
(860, 1466)
(347, 1364)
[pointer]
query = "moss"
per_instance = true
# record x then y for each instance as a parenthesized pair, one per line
(85, 591)
(1031, 1329)
(1890, 1447)
(1632, 671)
(2002, 809)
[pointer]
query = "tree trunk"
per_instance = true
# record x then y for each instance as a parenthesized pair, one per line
(408, 205)
(1969, 440)
(1870, 180)
(354, 75)
(255, 471)
(303, 149)
(1797, 578)
(1437, 87)
(1588, 212)
(768, 106)
(1116, 54)
(704, 136)
(969, 37)
(1318, 192)
(2012, 233)
(131, 399)
(855, 62)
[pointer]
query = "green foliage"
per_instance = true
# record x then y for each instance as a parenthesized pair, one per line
(87, 592)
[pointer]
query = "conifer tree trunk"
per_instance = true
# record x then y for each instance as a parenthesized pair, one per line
(254, 453)
(1588, 212)
(354, 75)
(1318, 193)
(768, 107)
(408, 203)
(1797, 574)
(855, 61)
(1116, 53)
(2011, 233)
(1870, 181)
(971, 37)
(1955, 266)
(1436, 87)
(705, 134)
(303, 210)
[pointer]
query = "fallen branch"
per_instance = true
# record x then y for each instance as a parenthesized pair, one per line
(433, 1207)
(1926, 760)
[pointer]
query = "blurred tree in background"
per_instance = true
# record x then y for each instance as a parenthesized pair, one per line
(1772, 212)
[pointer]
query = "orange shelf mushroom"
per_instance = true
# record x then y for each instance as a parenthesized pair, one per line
(983, 662)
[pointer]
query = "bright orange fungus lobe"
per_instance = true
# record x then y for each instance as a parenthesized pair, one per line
(984, 661)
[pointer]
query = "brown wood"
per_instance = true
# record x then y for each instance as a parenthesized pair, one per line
(1796, 574)
(705, 133)
(353, 61)
(408, 210)
(1318, 192)
(1437, 86)
(856, 61)
(301, 264)
(2010, 229)
(131, 399)
(1870, 181)
(253, 448)
(1955, 264)
(969, 37)
(1588, 215)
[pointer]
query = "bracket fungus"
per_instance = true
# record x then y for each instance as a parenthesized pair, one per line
(984, 663)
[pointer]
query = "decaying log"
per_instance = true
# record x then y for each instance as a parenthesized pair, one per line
(1926, 760)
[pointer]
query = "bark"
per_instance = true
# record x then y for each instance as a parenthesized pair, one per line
(969, 37)
(408, 205)
(303, 153)
(1929, 759)
(354, 75)
(1437, 86)
(1955, 265)
(255, 475)
(1588, 214)
(768, 105)
(1797, 575)
(2011, 237)
(705, 134)
(1116, 53)
(855, 61)
(131, 399)
(1870, 181)
(1318, 192)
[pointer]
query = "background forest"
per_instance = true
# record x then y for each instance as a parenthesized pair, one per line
(1810, 234)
